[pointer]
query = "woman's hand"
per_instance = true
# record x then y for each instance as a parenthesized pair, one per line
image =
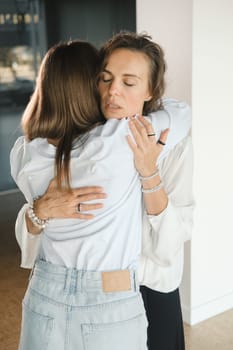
(63, 204)
(145, 147)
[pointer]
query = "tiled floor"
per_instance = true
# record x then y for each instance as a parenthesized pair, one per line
(213, 334)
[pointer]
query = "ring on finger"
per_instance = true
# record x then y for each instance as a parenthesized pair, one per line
(161, 143)
(152, 134)
(78, 208)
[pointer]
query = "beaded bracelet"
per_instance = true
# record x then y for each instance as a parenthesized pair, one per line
(153, 189)
(144, 178)
(40, 223)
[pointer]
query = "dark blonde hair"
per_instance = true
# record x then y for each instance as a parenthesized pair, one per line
(65, 102)
(152, 51)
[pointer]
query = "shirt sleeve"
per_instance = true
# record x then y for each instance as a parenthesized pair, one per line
(180, 119)
(165, 234)
(29, 243)
(175, 115)
(17, 158)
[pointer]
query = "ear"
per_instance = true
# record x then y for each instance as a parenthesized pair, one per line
(148, 98)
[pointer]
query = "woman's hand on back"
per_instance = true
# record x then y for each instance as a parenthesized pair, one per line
(62, 204)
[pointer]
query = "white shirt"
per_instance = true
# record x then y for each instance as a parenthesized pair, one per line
(103, 157)
(111, 242)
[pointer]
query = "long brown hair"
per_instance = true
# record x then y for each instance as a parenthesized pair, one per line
(152, 51)
(65, 102)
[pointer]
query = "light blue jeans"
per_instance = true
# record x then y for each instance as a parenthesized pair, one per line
(66, 309)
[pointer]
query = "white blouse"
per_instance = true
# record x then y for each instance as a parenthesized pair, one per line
(111, 242)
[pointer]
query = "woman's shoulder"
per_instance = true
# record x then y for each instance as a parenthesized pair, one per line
(22, 145)
(180, 119)
(18, 149)
(175, 115)
(24, 151)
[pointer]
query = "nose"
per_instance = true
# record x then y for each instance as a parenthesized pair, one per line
(114, 88)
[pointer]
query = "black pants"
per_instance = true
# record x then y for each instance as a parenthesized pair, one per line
(165, 331)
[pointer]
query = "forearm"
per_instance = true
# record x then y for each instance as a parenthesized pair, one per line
(33, 229)
(155, 197)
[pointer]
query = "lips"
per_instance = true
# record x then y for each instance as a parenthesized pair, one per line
(112, 106)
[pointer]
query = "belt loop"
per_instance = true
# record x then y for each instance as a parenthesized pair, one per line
(74, 277)
(67, 280)
(76, 281)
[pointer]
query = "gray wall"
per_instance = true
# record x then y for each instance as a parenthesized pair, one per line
(9, 131)
(92, 20)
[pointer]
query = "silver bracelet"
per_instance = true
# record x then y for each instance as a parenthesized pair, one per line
(40, 223)
(153, 189)
(149, 177)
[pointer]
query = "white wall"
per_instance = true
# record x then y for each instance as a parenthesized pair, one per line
(198, 35)
(170, 24)
(212, 245)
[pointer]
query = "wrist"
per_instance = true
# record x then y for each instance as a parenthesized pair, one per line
(151, 182)
(153, 189)
(149, 175)
(38, 208)
(38, 222)
(31, 228)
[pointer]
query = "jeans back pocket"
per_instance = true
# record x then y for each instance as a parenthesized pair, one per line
(35, 331)
(122, 335)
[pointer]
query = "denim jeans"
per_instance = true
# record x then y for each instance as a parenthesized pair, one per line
(66, 309)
